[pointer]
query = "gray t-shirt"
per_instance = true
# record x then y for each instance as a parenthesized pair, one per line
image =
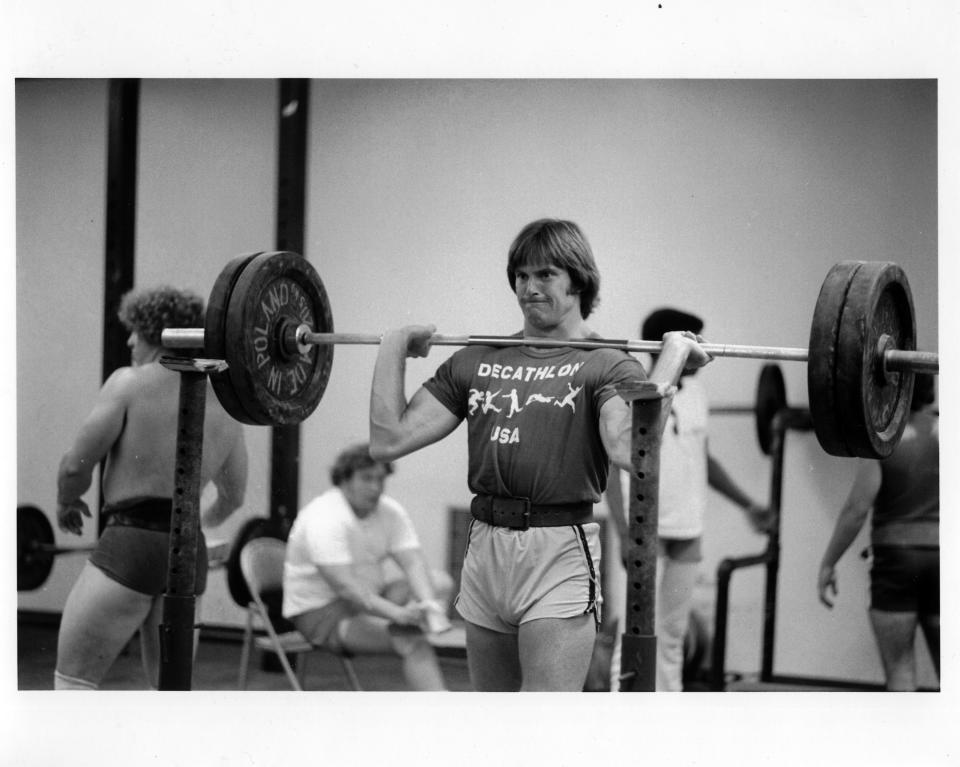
(533, 417)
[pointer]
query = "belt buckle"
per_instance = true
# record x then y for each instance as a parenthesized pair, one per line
(518, 507)
(526, 514)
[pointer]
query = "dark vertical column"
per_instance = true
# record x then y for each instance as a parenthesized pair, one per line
(122, 125)
(638, 657)
(179, 599)
(293, 110)
(779, 428)
(123, 116)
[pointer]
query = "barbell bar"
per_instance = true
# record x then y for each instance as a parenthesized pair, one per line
(269, 318)
(893, 360)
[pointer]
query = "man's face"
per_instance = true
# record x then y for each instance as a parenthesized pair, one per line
(364, 488)
(545, 294)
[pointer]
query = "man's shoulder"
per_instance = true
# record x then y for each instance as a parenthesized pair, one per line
(327, 505)
(125, 383)
(133, 379)
(614, 361)
(390, 505)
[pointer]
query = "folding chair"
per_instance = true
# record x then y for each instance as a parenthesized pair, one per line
(261, 562)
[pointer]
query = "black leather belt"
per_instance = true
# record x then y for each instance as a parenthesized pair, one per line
(147, 514)
(519, 513)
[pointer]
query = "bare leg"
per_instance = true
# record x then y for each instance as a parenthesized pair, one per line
(555, 653)
(99, 618)
(493, 659)
(150, 644)
(371, 634)
(616, 660)
(674, 597)
(398, 591)
(895, 633)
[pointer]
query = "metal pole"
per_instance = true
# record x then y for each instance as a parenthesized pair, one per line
(638, 660)
(773, 546)
(786, 419)
(179, 600)
(293, 112)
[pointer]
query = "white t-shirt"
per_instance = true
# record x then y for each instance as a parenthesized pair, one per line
(683, 464)
(328, 532)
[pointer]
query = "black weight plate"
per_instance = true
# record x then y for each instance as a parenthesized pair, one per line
(214, 336)
(876, 404)
(822, 359)
(273, 294)
(771, 399)
(33, 565)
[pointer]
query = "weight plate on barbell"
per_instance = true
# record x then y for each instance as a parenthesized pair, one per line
(771, 399)
(274, 380)
(856, 408)
(215, 336)
(875, 402)
(34, 565)
(821, 365)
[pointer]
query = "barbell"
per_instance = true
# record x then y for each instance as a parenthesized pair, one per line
(270, 319)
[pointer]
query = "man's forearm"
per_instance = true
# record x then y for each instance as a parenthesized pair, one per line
(615, 504)
(387, 396)
(846, 530)
(418, 576)
(73, 479)
(720, 480)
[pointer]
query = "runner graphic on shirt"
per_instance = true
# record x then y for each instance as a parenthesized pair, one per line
(569, 399)
(514, 403)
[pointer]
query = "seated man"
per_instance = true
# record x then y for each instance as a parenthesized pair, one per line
(335, 588)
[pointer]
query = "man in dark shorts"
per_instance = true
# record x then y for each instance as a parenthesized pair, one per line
(904, 492)
(133, 425)
(542, 427)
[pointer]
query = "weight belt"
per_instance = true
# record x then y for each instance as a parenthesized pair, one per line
(144, 513)
(519, 513)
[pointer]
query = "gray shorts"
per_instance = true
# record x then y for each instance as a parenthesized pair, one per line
(320, 626)
(510, 577)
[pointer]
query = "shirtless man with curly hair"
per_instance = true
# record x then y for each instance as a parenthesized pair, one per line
(133, 427)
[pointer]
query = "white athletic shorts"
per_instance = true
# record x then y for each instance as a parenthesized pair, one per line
(512, 576)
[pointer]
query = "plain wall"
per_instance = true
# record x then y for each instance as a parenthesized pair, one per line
(61, 203)
(728, 198)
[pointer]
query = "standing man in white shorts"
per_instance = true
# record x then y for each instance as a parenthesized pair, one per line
(543, 426)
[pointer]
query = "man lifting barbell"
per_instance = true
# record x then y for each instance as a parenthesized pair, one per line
(133, 425)
(541, 425)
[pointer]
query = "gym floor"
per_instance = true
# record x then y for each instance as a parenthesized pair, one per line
(217, 665)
